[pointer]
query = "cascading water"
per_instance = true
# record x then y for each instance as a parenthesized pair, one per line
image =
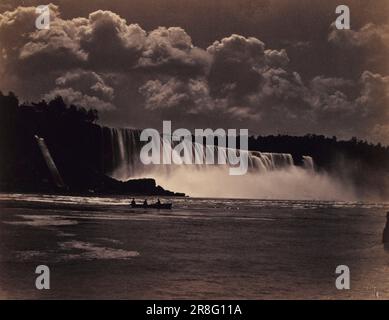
(125, 146)
(270, 175)
(308, 163)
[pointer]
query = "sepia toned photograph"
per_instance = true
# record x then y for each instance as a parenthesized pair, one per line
(194, 150)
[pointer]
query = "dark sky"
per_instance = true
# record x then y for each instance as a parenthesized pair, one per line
(272, 66)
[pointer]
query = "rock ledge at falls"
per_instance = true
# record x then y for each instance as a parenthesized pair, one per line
(102, 184)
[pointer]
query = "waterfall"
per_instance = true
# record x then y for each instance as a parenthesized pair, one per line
(124, 147)
(269, 175)
(308, 163)
(121, 150)
(57, 179)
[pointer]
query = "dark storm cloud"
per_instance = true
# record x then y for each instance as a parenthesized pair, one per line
(138, 78)
(370, 43)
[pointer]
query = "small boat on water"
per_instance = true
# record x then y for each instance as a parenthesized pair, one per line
(158, 206)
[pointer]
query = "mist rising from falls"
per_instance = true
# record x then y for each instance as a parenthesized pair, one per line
(291, 183)
(269, 176)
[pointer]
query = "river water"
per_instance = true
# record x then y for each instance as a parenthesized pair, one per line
(98, 247)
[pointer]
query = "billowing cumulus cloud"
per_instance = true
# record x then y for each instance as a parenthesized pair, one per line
(370, 43)
(172, 50)
(369, 35)
(107, 37)
(138, 78)
(25, 48)
(77, 98)
(85, 89)
(363, 112)
(87, 81)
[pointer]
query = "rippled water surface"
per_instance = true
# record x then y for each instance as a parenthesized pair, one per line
(98, 247)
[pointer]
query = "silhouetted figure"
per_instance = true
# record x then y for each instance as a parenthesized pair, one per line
(385, 236)
(133, 203)
(158, 202)
(145, 203)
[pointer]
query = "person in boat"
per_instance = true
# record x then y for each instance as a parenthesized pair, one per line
(145, 203)
(158, 202)
(133, 203)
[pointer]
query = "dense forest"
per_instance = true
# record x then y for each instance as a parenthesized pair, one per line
(75, 141)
